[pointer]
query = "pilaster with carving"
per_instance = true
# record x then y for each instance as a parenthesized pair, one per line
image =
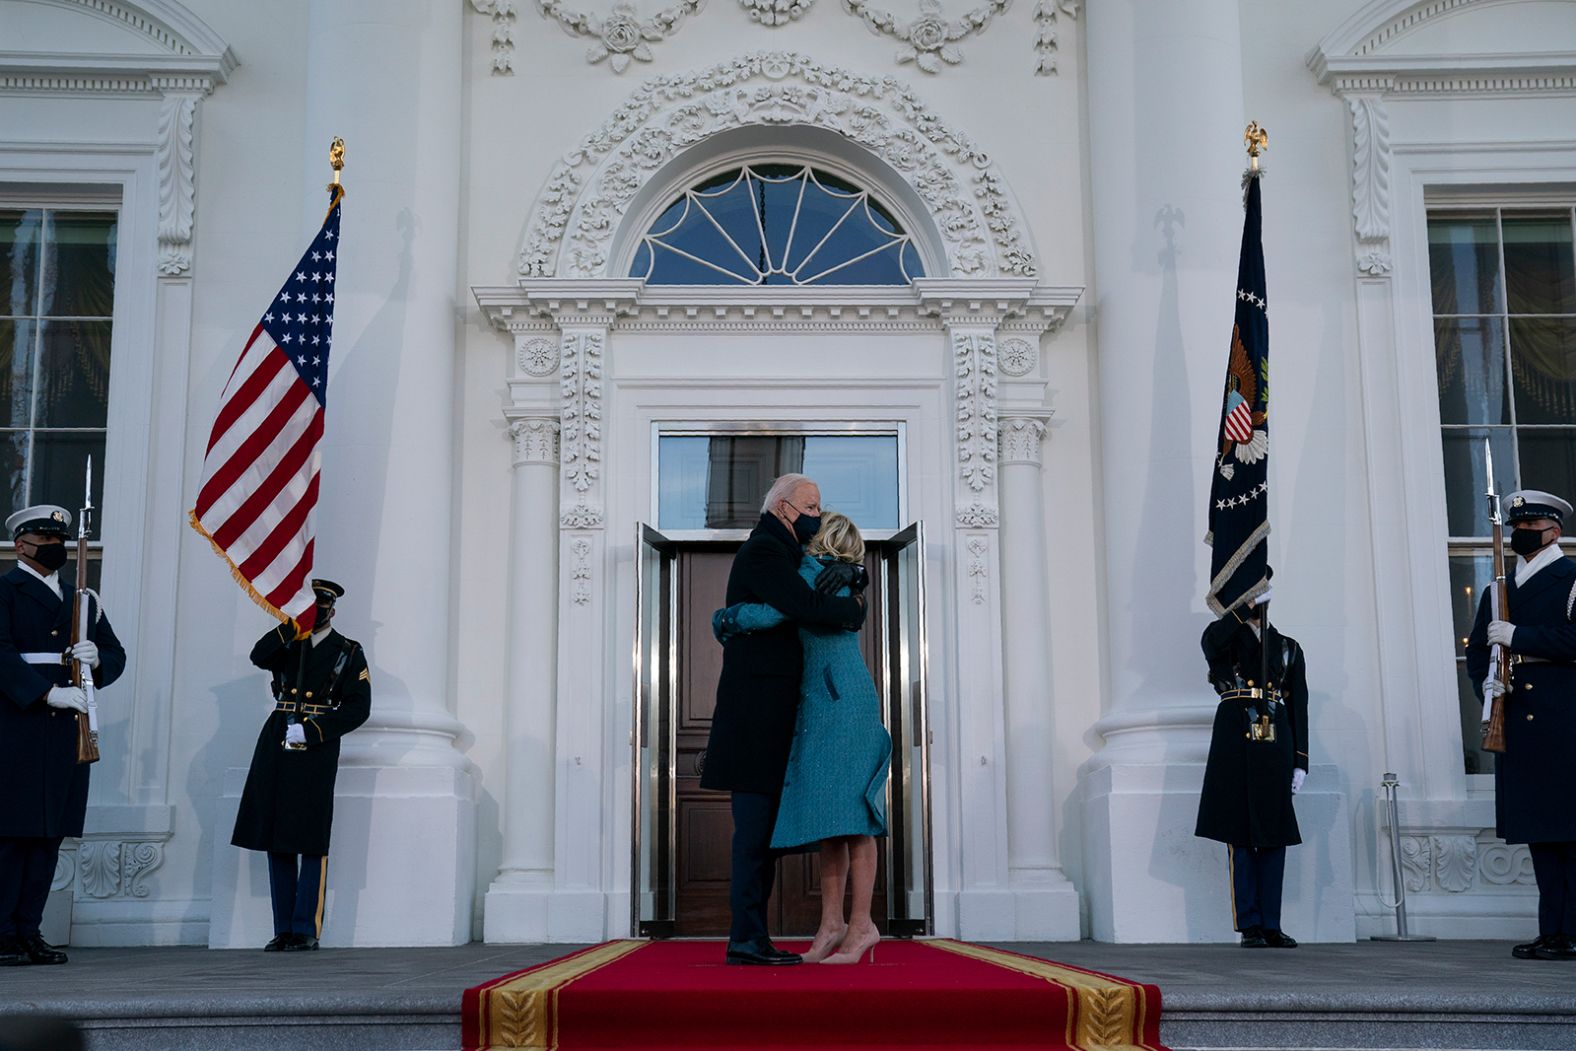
(1371, 181)
(177, 182)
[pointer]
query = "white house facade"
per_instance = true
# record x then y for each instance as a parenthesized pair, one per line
(607, 268)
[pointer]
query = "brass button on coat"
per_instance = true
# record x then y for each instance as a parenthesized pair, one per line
(1529, 717)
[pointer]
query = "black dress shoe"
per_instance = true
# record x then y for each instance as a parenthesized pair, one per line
(41, 952)
(760, 953)
(299, 943)
(11, 953)
(277, 943)
(1279, 939)
(1253, 938)
(1529, 951)
(1558, 947)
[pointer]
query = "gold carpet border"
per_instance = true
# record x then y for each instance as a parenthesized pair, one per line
(1107, 1015)
(522, 1013)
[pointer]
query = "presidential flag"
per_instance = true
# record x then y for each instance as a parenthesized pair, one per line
(258, 498)
(1239, 519)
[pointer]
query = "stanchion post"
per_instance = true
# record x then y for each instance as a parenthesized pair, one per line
(1390, 784)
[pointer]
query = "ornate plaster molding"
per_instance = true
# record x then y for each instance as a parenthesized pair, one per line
(1019, 356)
(929, 40)
(535, 354)
(1045, 42)
(580, 570)
(1022, 439)
(535, 440)
(114, 868)
(503, 17)
(976, 435)
(177, 183)
(979, 569)
(776, 12)
(1459, 861)
(580, 436)
(586, 197)
(621, 35)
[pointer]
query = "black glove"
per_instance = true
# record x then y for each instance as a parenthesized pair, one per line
(838, 575)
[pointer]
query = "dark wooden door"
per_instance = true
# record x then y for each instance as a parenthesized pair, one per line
(704, 825)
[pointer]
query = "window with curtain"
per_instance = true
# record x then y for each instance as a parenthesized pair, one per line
(57, 293)
(776, 224)
(1504, 304)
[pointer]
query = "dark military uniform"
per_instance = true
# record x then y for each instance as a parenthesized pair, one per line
(287, 806)
(1246, 800)
(1535, 777)
(757, 705)
(43, 787)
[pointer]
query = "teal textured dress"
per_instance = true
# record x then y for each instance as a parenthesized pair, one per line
(837, 767)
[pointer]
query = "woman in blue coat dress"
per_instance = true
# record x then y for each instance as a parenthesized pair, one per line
(834, 792)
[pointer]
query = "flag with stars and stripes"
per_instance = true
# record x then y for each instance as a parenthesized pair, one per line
(257, 500)
(1239, 518)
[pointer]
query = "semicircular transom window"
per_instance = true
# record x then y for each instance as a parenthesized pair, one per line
(776, 224)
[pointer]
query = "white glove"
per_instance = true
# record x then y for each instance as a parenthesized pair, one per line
(295, 733)
(1492, 688)
(1298, 776)
(86, 651)
(67, 697)
(1500, 632)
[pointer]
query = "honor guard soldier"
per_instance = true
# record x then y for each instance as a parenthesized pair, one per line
(43, 787)
(1535, 777)
(322, 691)
(1258, 757)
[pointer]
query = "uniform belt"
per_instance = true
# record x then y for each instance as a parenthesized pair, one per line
(44, 658)
(1521, 658)
(309, 709)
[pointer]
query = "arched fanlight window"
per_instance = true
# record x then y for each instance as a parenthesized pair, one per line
(776, 224)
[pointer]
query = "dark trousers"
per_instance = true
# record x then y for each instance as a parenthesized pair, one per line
(27, 867)
(298, 883)
(1256, 876)
(1554, 864)
(754, 864)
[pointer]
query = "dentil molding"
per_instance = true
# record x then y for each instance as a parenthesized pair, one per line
(585, 199)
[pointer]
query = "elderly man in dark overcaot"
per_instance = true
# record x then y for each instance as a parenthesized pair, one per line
(758, 696)
(43, 789)
(1535, 778)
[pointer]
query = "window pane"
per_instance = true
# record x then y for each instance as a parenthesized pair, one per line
(1540, 272)
(858, 477)
(1469, 356)
(1466, 475)
(742, 470)
(1548, 459)
(59, 467)
(681, 482)
(73, 375)
(1464, 262)
(734, 211)
(13, 468)
(1473, 757)
(1543, 361)
(20, 236)
(79, 264)
(16, 373)
(1470, 576)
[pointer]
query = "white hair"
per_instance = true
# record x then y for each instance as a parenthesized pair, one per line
(782, 489)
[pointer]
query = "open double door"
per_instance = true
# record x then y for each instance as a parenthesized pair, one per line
(681, 833)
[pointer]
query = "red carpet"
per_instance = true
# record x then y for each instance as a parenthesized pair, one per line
(656, 995)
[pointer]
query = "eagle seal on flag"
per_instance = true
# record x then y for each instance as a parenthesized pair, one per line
(1244, 434)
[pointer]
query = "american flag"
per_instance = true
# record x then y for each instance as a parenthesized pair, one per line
(258, 496)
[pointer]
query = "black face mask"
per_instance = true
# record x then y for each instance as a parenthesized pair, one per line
(1526, 542)
(324, 615)
(50, 556)
(805, 527)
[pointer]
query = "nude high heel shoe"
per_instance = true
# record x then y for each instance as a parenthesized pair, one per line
(855, 953)
(831, 946)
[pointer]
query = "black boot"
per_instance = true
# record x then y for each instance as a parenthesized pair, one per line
(1529, 951)
(41, 952)
(1277, 939)
(1253, 938)
(1558, 947)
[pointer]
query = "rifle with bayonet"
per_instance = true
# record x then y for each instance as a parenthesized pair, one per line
(1499, 659)
(81, 611)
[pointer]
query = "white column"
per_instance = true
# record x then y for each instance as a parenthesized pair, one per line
(517, 905)
(1046, 905)
(386, 77)
(1166, 117)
